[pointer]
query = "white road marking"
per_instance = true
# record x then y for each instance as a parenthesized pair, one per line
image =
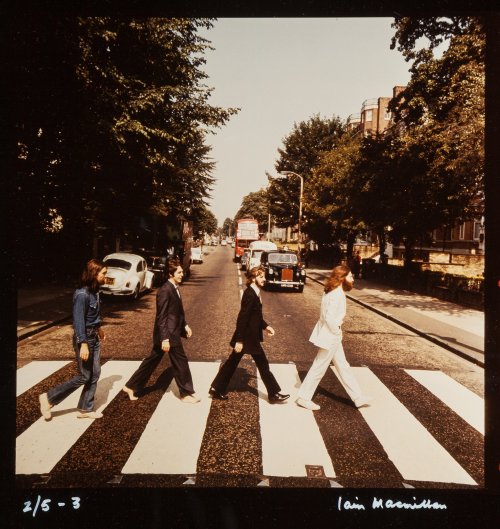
(171, 441)
(44, 443)
(411, 448)
(461, 400)
(34, 372)
(290, 435)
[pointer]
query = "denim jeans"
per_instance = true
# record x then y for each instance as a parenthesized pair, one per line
(90, 372)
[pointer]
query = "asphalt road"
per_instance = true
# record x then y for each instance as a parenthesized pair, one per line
(415, 425)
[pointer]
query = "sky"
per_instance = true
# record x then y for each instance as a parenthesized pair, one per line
(281, 71)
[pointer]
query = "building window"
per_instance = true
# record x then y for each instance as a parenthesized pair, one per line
(387, 115)
(477, 230)
(461, 231)
(369, 115)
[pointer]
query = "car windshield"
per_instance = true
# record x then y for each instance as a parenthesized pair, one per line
(118, 263)
(285, 258)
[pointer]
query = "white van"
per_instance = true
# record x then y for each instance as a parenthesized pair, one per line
(256, 249)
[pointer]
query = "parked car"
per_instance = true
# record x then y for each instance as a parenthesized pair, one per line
(223, 242)
(158, 264)
(128, 275)
(283, 268)
(244, 258)
(196, 255)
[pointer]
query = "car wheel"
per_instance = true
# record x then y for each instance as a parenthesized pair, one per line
(301, 288)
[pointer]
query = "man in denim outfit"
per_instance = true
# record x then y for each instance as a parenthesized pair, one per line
(86, 343)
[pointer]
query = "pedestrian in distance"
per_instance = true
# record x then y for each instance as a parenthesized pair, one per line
(247, 339)
(356, 265)
(327, 335)
(87, 337)
(170, 325)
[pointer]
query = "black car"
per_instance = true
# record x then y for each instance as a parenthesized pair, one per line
(283, 269)
(158, 264)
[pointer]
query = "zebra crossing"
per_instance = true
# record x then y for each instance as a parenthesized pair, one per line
(411, 449)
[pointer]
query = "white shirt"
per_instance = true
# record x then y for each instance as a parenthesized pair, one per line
(256, 290)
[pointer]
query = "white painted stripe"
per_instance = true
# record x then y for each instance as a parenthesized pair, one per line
(171, 441)
(34, 372)
(461, 400)
(290, 435)
(44, 443)
(411, 448)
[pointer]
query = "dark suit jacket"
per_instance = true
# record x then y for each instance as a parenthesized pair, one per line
(250, 323)
(170, 322)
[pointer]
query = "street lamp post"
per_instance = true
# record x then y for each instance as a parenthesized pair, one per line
(269, 182)
(285, 173)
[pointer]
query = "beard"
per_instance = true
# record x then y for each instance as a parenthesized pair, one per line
(346, 285)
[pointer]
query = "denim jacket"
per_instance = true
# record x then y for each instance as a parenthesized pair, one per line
(86, 313)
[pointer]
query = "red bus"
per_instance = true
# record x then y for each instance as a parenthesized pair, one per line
(246, 231)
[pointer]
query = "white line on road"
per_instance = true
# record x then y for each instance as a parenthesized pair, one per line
(461, 400)
(171, 441)
(44, 443)
(290, 435)
(34, 372)
(411, 448)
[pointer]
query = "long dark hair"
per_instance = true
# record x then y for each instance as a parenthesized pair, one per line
(89, 275)
(336, 278)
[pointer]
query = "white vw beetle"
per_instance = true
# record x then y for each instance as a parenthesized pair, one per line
(128, 275)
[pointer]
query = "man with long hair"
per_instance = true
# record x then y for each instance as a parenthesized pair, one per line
(327, 335)
(170, 326)
(247, 338)
(87, 338)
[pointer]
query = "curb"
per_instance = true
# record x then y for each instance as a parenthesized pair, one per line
(437, 341)
(36, 330)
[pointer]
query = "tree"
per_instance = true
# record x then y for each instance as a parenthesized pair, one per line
(205, 223)
(330, 193)
(256, 205)
(227, 227)
(301, 151)
(445, 100)
(110, 118)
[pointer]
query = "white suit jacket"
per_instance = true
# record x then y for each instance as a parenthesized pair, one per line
(327, 330)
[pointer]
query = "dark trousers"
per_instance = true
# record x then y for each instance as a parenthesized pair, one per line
(221, 381)
(180, 367)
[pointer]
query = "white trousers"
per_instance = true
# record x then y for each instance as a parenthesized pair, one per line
(318, 369)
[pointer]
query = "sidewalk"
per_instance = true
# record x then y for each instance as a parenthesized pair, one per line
(39, 308)
(456, 328)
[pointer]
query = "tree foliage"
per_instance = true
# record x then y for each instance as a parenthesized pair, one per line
(330, 194)
(256, 205)
(445, 100)
(205, 222)
(110, 121)
(301, 151)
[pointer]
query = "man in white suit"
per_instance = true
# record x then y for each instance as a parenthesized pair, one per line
(327, 335)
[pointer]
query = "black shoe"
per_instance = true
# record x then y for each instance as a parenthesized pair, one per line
(278, 397)
(217, 395)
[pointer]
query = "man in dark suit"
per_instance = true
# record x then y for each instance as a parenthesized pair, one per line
(170, 326)
(247, 338)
